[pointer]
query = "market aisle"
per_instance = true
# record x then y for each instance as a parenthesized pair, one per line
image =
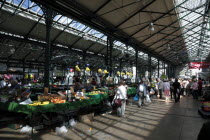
(157, 121)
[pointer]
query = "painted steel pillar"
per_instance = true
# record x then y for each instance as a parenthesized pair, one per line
(158, 68)
(24, 71)
(136, 66)
(48, 21)
(150, 68)
(108, 61)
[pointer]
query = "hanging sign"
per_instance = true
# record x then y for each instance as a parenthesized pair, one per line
(197, 65)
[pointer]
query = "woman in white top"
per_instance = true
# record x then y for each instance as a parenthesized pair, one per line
(121, 94)
(166, 89)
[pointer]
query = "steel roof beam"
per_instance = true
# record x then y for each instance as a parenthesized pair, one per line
(131, 16)
(2, 4)
(93, 44)
(158, 18)
(116, 9)
(174, 38)
(174, 53)
(165, 28)
(61, 31)
(102, 6)
(22, 1)
(193, 10)
(29, 32)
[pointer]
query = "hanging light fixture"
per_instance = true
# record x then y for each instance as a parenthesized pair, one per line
(168, 47)
(151, 26)
(12, 50)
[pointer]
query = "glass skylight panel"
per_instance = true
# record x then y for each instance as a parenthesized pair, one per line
(57, 17)
(81, 27)
(104, 38)
(192, 22)
(26, 4)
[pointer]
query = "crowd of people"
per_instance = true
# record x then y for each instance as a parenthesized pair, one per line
(168, 89)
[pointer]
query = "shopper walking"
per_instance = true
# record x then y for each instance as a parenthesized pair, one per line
(142, 91)
(121, 94)
(160, 88)
(177, 88)
(166, 89)
(184, 84)
(171, 88)
(188, 88)
(153, 85)
(200, 84)
(195, 89)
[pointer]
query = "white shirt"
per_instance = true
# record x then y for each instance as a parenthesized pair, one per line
(2, 84)
(166, 86)
(121, 92)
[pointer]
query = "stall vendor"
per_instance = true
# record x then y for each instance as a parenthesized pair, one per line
(88, 87)
(78, 87)
(14, 84)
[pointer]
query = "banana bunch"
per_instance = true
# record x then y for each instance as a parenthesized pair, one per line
(36, 103)
(77, 68)
(118, 73)
(127, 73)
(87, 69)
(99, 71)
(105, 71)
(122, 73)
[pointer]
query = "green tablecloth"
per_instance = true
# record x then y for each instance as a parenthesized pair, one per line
(131, 90)
(27, 109)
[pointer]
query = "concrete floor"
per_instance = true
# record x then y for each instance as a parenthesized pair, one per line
(157, 121)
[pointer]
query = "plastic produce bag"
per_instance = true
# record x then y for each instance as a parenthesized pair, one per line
(61, 130)
(72, 122)
(148, 98)
(26, 129)
(119, 111)
(152, 92)
(136, 97)
(28, 101)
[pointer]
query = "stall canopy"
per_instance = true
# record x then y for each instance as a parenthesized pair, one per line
(172, 31)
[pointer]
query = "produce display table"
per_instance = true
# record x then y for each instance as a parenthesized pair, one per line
(27, 109)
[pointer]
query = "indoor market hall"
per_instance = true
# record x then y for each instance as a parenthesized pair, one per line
(104, 69)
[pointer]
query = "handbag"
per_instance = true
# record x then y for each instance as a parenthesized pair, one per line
(117, 102)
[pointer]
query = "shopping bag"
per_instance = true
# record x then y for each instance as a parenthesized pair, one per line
(148, 98)
(152, 92)
(136, 97)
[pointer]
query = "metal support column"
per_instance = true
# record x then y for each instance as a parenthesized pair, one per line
(120, 68)
(136, 81)
(150, 68)
(23, 72)
(38, 69)
(48, 21)
(164, 68)
(168, 71)
(109, 54)
(158, 68)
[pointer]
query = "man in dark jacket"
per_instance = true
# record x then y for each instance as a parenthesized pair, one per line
(177, 88)
(200, 86)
